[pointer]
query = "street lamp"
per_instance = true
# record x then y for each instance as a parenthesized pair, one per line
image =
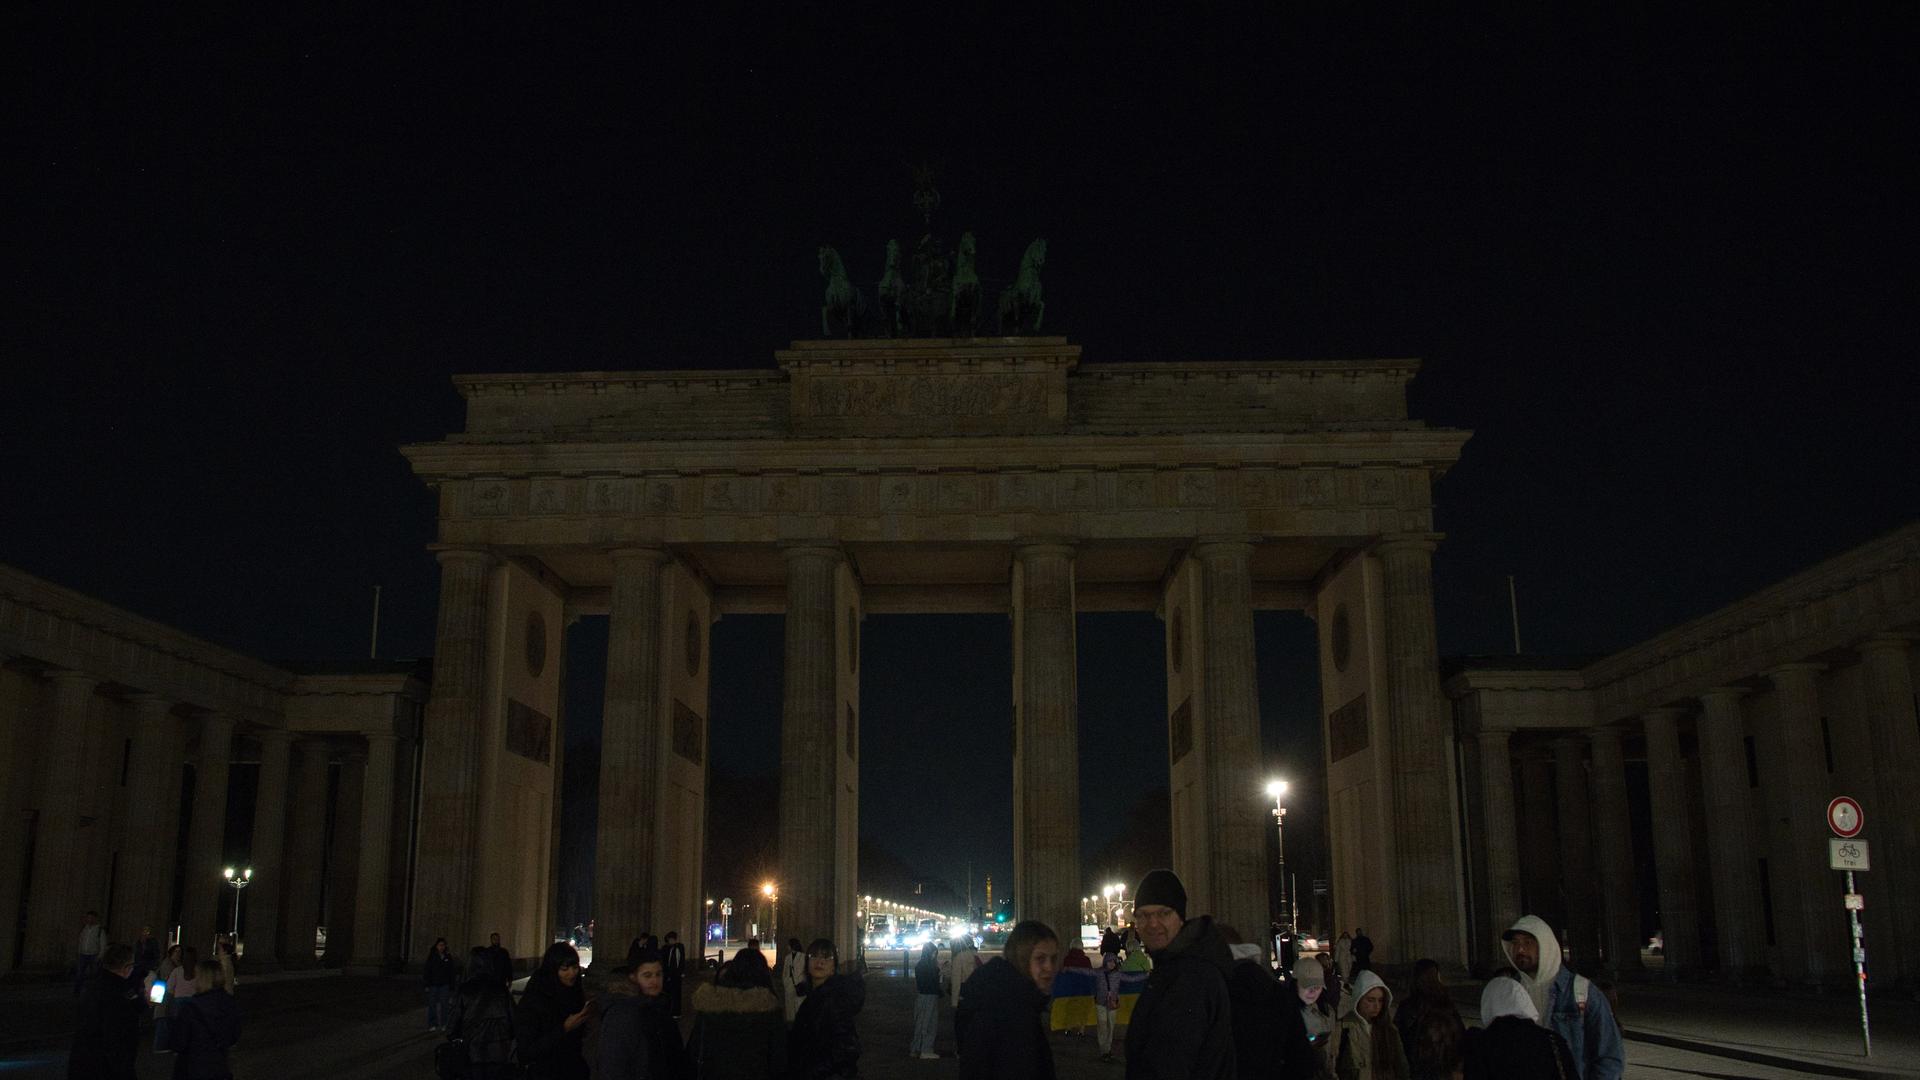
(239, 881)
(773, 911)
(1277, 790)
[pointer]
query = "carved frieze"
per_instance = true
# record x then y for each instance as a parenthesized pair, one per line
(933, 395)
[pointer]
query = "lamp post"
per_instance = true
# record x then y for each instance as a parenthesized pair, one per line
(726, 917)
(773, 911)
(239, 881)
(1277, 789)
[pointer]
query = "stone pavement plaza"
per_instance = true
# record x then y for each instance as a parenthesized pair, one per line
(327, 1025)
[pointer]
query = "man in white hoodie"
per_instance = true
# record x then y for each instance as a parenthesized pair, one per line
(1565, 1002)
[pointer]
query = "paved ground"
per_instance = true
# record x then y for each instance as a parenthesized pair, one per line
(326, 1025)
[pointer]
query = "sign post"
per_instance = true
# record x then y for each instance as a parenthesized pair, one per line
(1846, 819)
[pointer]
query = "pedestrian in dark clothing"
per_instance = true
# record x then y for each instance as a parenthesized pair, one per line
(549, 1023)
(439, 977)
(483, 1019)
(1362, 952)
(638, 1040)
(1429, 1025)
(674, 956)
(146, 954)
(926, 1003)
(500, 960)
(1001, 1022)
(1513, 1045)
(106, 1032)
(739, 1028)
(1269, 1035)
(1182, 1025)
(205, 1028)
(824, 1041)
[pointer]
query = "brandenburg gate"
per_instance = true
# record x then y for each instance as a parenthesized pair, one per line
(946, 475)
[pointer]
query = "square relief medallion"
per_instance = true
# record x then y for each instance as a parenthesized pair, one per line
(487, 498)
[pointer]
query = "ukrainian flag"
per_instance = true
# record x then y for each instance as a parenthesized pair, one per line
(1073, 990)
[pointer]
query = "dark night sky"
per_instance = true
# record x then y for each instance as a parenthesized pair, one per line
(1660, 263)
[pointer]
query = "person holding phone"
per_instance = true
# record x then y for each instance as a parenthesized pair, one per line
(550, 1022)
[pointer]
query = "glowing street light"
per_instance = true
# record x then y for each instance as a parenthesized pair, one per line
(1277, 791)
(773, 910)
(239, 881)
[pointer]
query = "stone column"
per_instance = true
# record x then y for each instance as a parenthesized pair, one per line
(1046, 811)
(1730, 850)
(370, 950)
(260, 902)
(208, 831)
(306, 854)
(1803, 886)
(341, 887)
(144, 884)
(1577, 879)
(55, 900)
(1540, 842)
(1426, 879)
(808, 753)
(1613, 845)
(1893, 827)
(632, 742)
(1501, 835)
(450, 776)
(1238, 817)
(1673, 843)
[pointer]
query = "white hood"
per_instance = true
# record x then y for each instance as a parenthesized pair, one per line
(1548, 970)
(1363, 982)
(1506, 997)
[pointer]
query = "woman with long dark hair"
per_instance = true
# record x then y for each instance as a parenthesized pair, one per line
(550, 1023)
(824, 1042)
(439, 977)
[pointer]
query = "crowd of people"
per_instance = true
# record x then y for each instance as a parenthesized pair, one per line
(189, 998)
(1211, 1008)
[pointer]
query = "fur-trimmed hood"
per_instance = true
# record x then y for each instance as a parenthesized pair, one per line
(711, 998)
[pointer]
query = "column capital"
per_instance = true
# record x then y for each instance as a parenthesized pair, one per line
(811, 549)
(1884, 643)
(151, 707)
(1724, 693)
(1605, 733)
(379, 736)
(1668, 713)
(656, 555)
(1399, 543)
(277, 736)
(1040, 548)
(449, 553)
(1222, 542)
(1796, 670)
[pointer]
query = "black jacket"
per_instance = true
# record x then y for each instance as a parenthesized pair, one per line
(823, 1041)
(640, 1041)
(439, 970)
(1000, 1026)
(1515, 1048)
(483, 1016)
(546, 1048)
(1182, 1025)
(1269, 1037)
(203, 1028)
(926, 977)
(502, 962)
(106, 1034)
(739, 1033)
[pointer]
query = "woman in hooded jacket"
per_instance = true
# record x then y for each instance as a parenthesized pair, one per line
(1369, 1044)
(205, 1028)
(550, 1021)
(739, 1026)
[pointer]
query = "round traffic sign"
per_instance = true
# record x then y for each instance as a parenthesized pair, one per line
(1844, 818)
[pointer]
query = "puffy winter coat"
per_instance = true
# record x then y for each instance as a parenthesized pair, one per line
(823, 1041)
(739, 1033)
(204, 1027)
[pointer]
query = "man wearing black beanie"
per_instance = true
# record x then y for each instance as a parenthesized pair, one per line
(1182, 1026)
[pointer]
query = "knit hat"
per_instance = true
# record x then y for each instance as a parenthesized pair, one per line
(1162, 888)
(1307, 973)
